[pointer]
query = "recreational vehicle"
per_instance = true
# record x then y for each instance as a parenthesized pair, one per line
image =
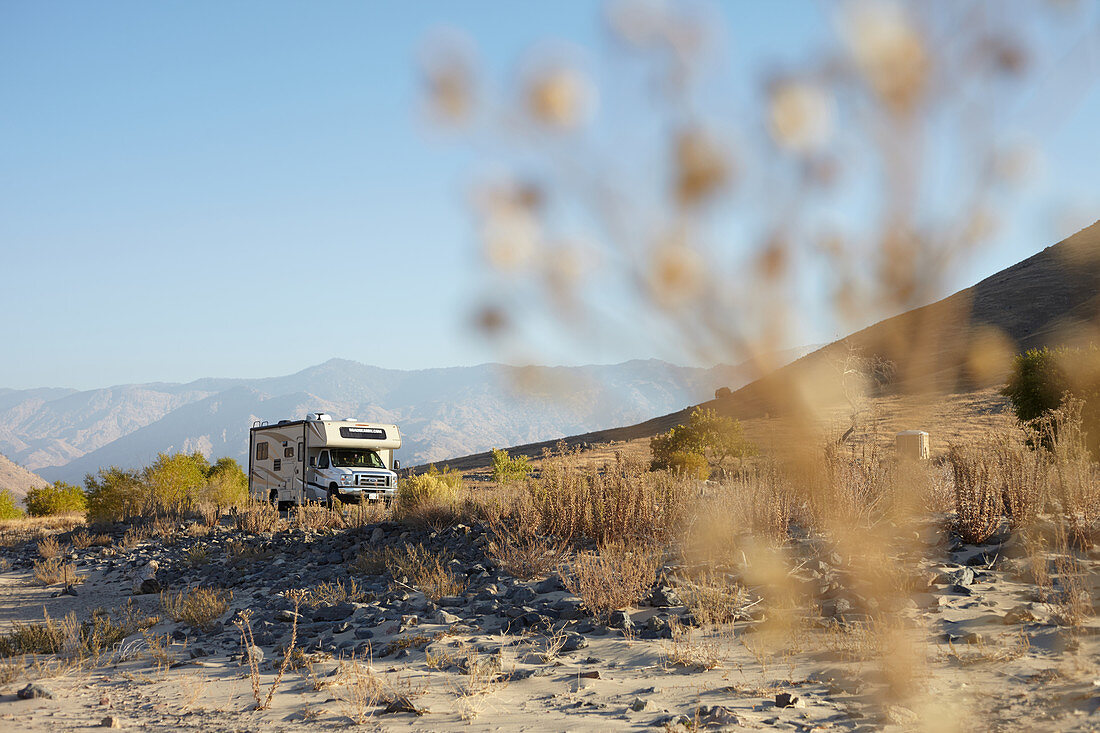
(321, 459)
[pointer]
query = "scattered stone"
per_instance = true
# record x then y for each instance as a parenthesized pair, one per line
(110, 722)
(33, 691)
(572, 643)
(715, 716)
(443, 617)
(787, 700)
(252, 655)
(593, 674)
(402, 704)
(639, 704)
(620, 620)
(1018, 615)
(664, 597)
(552, 584)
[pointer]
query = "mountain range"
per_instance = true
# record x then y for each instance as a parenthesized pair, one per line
(65, 433)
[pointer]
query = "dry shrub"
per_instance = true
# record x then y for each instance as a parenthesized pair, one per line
(134, 537)
(53, 571)
(1073, 601)
(1022, 474)
(977, 498)
(615, 576)
(242, 553)
(1073, 477)
(196, 555)
(430, 499)
(522, 550)
(691, 649)
(313, 517)
(715, 598)
(333, 592)
(361, 690)
(370, 562)
(258, 518)
(198, 607)
(83, 540)
(49, 548)
(244, 626)
(426, 571)
(72, 638)
(623, 500)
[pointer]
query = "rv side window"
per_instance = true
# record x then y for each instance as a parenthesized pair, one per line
(323, 462)
(300, 453)
(261, 451)
(288, 452)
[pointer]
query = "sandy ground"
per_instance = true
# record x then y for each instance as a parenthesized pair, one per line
(971, 667)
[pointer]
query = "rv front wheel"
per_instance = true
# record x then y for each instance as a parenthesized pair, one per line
(332, 497)
(273, 499)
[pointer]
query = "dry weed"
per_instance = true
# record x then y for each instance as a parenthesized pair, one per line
(198, 607)
(83, 540)
(426, 571)
(615, 576)
(49, 548)
(53, 572)
(259, 518)
(977, 499)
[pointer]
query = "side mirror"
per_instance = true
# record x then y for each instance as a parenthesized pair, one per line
(396, 464)
(313, 460)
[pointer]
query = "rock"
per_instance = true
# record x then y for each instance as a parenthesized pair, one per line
(522, 595)
(33, 691)
(252, 655)
(715, 716)
(639, 704)
(552, 584)
(144, 579)
(593, 674)
(900, 715)
(110, 722)
(443, 617)
(402, 704)
(664, 597)
(337, 612)
(963, 576)
(572, 643)
(787, 700)
(620, 620)
(1018, 615)
(287, 616)
(377, 536)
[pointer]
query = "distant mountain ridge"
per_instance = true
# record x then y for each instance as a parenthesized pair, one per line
(64, 433)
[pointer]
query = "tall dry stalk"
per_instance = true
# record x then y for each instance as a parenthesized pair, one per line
(977, 500)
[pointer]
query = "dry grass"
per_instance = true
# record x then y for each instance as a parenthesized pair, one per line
(615, 576)
(259, 518)
(524, 552)
(333, 592)
(54, 571)
(49, 548)
(426, 571)
(977, 499)
(244, 626)
(198, 607)
(83, 540)
(74, 639)
(134, 537)
(691, 649)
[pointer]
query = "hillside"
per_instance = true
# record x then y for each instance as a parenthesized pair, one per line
(959, 345)
(17, 479)
(64, 434)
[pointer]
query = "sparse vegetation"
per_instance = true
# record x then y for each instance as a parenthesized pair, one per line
(506, 469)
(613, 577)
(9, 507)
(198, 607)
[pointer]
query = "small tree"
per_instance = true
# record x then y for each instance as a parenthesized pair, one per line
(1042, 379)
(9, 507)
(507, 470)
(113, 493)
(226, 484)
(57, 498)
(713, 438)
(174, 481)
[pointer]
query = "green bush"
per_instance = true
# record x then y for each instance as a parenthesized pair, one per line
(1041, 379)
(507, 470)
(226, 485)
(114, 494)
(694, 465)
(432, 487)
(713, 439)
(9, 507)
(57, 498)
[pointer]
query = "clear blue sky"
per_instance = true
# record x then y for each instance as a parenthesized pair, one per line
(178, 180)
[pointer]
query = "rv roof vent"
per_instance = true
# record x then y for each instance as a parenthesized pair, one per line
(350, 419)
(319, 416)
(283, 422)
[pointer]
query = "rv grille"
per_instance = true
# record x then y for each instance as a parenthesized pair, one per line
(367, 480)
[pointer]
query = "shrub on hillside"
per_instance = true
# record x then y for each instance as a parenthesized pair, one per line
(708, 438)
(57, 498)
(9, 507)
(1042, 378)
(507, 470)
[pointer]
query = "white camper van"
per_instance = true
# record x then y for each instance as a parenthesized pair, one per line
(321, 459)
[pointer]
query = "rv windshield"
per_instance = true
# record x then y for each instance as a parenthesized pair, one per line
(352, 458)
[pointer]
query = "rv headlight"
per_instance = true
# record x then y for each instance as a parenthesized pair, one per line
(345, 479)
